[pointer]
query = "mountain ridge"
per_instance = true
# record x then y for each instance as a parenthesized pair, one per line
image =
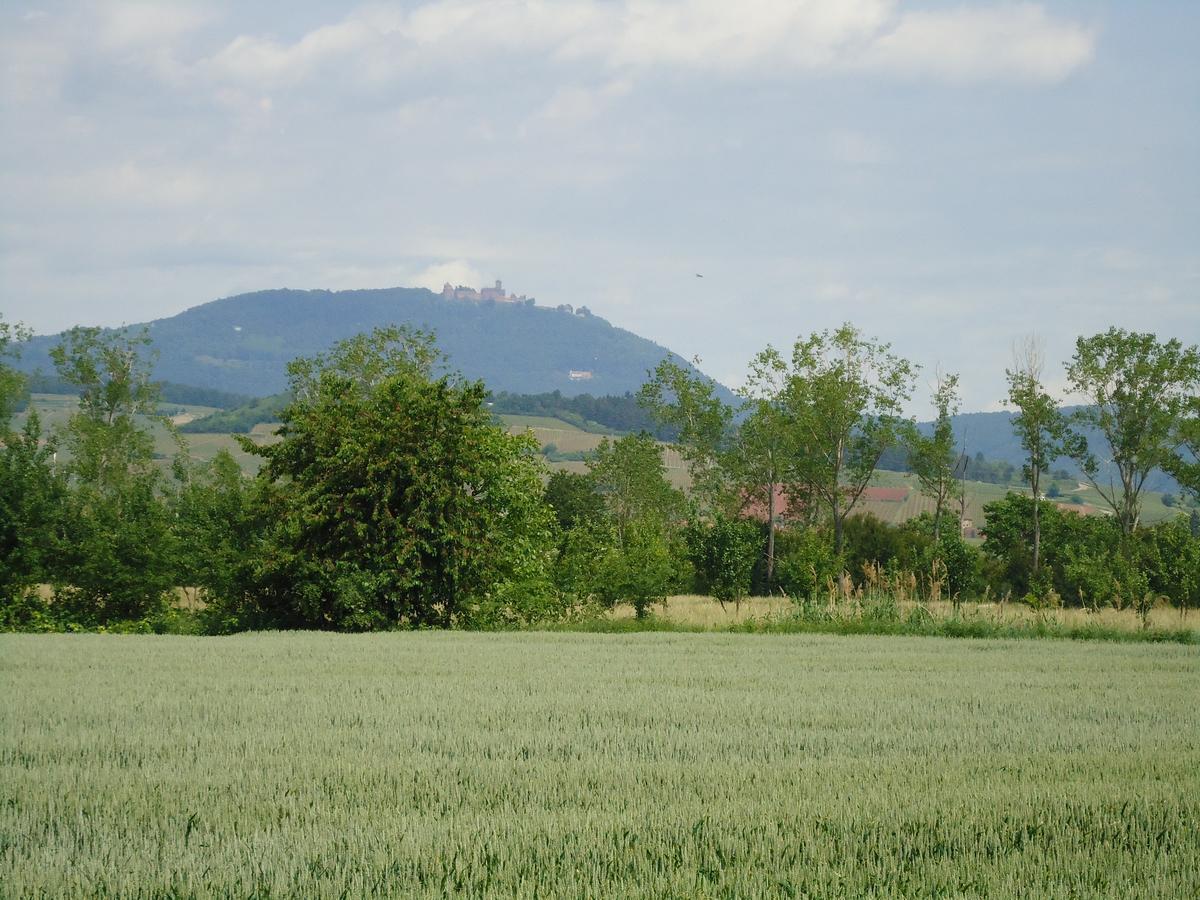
(242, 344)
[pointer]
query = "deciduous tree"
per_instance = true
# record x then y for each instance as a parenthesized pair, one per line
(117, 559)
(1040, 426)
(393, 498)
(1138, 390)
(843, 396)
(30, 492)
(934, 458)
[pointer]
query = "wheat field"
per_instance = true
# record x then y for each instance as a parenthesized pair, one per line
(586, 765)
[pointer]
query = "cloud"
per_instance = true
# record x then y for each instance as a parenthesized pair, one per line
(759, 35)
(573, 105)
(262, 60)
(1019, 41)
(752, 38)
(126, 25)
(457, 271)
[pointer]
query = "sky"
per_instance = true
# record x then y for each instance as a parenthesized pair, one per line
(949, 177)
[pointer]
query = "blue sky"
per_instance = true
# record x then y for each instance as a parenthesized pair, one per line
(947, 176)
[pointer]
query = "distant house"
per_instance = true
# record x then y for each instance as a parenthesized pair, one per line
(580, 375)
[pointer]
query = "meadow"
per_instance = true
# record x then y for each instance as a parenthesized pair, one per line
(698, 611)
(571, 765)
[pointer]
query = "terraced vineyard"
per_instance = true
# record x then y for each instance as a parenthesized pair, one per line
(569, 765)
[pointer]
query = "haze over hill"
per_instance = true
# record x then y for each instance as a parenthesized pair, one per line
(243, 343)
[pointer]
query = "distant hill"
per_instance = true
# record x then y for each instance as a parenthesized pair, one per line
(991, 434)
(242, 344)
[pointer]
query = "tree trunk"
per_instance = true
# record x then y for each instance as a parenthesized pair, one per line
(1035, 482)
(1037, 535)
(837, 526)
(770, 536)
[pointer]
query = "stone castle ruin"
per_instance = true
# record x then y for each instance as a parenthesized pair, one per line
(497, 293)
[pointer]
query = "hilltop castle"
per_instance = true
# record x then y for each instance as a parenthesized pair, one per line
(458, 292)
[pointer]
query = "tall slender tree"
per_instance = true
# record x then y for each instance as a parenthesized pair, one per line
(934, 457)
(1039, 425)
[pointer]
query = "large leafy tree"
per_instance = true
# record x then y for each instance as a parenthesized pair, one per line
(30, 491)
(1138, 390)
(842, 396)
(393, 498)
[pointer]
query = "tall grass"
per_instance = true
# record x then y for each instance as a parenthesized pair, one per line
(573, 765)
(845, 609)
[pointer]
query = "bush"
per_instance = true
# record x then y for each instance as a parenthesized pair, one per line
(805, 562)
(723, 552)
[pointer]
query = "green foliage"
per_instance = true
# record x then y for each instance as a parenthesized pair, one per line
(30, 493)
(574, 499)
(1184, 463)
(1042, 430)
(639, 569)
(629, 475)
(13, 387)
(842, 394)
(870, 541)
(686, 403)
(934, 458)
(217, 522)
(806, 562)
(723, 552)
(392, 500)
(32, 498)
(1169, 553)
(116, 562)
(1139, 391)
(630, 556)
(1085, 560)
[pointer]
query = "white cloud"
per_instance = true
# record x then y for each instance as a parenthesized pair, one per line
(263, 60)
(1019, 41)
(457, 271)
(748, 38)
(573, 105)
(124, 25)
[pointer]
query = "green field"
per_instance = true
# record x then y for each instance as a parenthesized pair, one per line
(576, 765)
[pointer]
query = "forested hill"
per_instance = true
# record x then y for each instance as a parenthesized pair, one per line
(242, 344)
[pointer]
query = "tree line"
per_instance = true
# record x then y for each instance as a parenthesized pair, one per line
(393, 499)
